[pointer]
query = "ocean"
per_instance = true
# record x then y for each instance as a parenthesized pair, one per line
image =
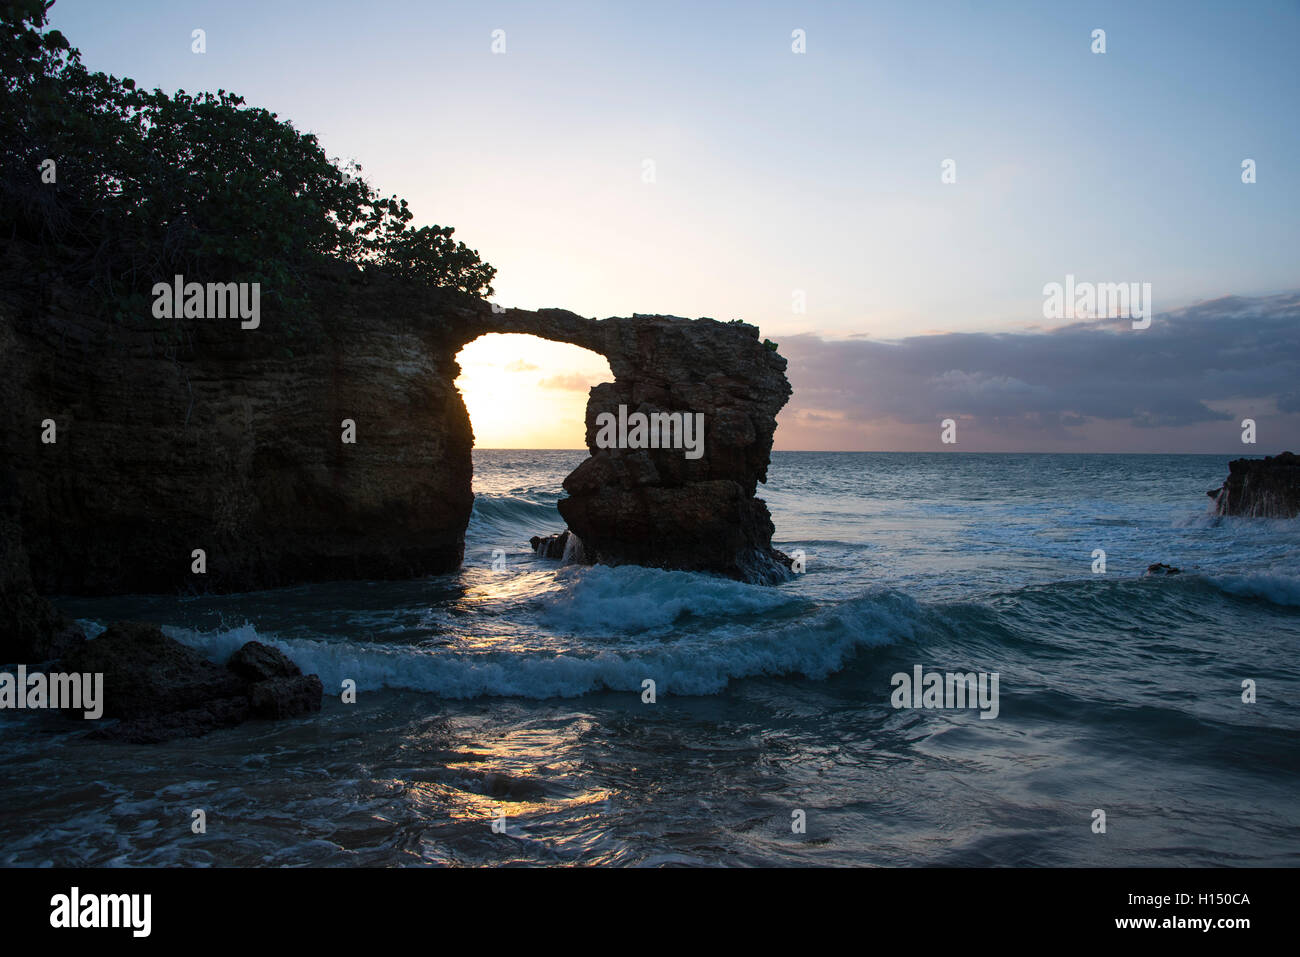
(502, 717)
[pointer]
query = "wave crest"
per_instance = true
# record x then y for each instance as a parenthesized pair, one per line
(814, 646)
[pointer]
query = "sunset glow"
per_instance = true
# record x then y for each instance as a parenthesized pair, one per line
(523, 392)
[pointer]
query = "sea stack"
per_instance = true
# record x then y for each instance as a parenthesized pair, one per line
(1260, 488)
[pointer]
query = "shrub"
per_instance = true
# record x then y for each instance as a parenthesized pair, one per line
(148, 183)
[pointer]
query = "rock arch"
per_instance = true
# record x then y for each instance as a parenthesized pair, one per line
(230, 442)
(655, 506)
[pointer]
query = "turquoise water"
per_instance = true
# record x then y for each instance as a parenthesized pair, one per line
(519, 690)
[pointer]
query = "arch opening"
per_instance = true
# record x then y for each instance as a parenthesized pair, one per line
(526, 398)
(627, 499)
(525, 392)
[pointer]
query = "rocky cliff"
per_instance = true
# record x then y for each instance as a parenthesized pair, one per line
(660, 506)
(1262, 488)
(130, 443)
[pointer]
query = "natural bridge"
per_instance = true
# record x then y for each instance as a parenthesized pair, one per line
(177, 435)
(657, 506)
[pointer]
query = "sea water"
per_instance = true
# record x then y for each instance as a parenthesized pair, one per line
(502, 714)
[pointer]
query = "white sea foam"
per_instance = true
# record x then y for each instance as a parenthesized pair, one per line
(814, 646)
(632, 599)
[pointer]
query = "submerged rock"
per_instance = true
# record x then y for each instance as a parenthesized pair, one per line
(161, 689)
(1260, 488)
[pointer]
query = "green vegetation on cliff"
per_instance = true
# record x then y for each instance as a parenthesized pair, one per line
(123, 187)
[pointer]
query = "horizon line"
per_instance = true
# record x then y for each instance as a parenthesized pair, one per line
(905, 451)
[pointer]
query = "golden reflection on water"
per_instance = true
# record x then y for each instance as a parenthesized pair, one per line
(502, 780)
(490, 586)
(491, 598)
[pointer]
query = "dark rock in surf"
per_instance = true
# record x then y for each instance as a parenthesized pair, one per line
(161, 689)
(550, 546)
(258, 662)
(168, 725)
(1160, 568)
(286, 696)
(1260, 488)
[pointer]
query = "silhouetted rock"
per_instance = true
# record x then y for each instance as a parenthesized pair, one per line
(286, 697)
(190, 723)
(550, 546)
(258, 662)
(147, 673)
(162, 689)
(1160, 568)
(656, 506)
(1260, 488)
(31, 630)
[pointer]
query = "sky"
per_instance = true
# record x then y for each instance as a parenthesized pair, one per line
(682, 158)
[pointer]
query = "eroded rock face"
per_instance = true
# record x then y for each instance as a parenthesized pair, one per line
(1260, 488)
(659, 506)
(31, 629)
(176, 436)
(182, 435)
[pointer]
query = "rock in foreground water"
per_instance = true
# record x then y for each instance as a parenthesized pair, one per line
(161, 689)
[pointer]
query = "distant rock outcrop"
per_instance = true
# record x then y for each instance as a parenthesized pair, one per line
(1260, 488)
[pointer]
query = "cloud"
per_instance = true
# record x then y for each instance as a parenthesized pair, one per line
(571, 383)
(519, 365)
(1036, 385)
